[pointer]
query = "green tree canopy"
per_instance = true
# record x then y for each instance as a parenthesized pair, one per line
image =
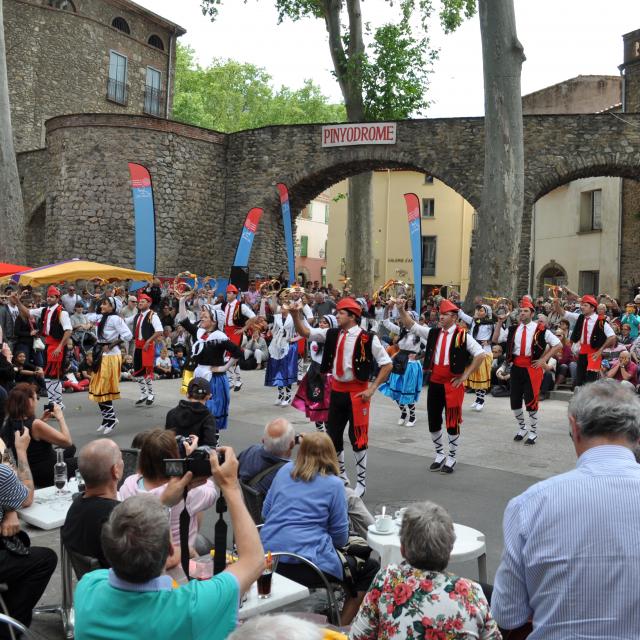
(230, 96)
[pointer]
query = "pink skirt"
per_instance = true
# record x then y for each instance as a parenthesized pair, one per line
(314, 394)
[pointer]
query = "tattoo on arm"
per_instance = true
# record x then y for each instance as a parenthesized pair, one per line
(24, 473)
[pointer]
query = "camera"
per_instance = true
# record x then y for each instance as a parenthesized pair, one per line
(182, 440)
(49, 407)
(198, 463)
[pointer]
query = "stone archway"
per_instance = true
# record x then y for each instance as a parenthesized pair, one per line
(553, 274)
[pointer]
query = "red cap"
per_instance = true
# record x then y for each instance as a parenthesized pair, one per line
(349, 304)
(144, 296)
(590, 300)
(232, 289)
(53, 291)
(526, 303)
(446, 306)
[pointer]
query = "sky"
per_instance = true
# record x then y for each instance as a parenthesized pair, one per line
(561, 39)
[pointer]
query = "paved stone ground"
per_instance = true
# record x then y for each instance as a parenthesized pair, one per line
(491, 467)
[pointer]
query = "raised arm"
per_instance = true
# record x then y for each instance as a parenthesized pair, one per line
(302, 328)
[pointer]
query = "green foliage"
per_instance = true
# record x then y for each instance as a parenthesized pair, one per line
(391, 73)
(230, 96)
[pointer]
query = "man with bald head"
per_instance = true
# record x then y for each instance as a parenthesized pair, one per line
(264, 460)
(101, 465)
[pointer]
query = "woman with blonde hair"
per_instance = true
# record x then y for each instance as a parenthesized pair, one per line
(305, 512)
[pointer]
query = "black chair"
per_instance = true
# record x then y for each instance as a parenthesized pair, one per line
(254, 500)
(334, 611)
(130, 458)
(82, 564)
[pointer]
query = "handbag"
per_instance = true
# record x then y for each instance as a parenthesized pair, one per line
(16, 545)
(38, 344)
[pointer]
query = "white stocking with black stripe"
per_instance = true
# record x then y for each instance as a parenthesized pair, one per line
(54, 390)
(108, 413)
(361, 470)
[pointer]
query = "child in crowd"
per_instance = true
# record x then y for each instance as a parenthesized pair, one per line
(163, 365)
(126, 369)
(178, 361)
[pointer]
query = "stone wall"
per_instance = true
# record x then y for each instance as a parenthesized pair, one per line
(629, 249)
(32, 169)
(58, 61)
(90, 207)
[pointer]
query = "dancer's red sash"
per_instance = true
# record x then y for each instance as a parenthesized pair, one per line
(592, 365)
(230, 330)
(535, 375)
(147, 356)
(53, 367)
(453, 396)
(359, 408)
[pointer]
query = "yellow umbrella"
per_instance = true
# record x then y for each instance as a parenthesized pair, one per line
(75, 270)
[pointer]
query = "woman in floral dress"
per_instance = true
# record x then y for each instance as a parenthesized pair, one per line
(418, 599)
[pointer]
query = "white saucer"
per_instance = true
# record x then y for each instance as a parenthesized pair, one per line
(372, 529)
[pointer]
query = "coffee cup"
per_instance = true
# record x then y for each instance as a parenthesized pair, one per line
(384, 524)
(399, 513)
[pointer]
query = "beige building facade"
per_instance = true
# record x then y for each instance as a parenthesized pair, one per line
(576, 237)
(312, 228)
(447, 223)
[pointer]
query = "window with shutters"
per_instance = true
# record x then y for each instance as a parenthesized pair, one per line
(428, 207)
(588, 282)
(591, 210)
(117, 81)
(304, 246)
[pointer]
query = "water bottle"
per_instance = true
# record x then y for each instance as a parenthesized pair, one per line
(60, 472)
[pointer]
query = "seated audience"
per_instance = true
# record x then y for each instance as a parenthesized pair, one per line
(191, 417)
(21, 414)
(134, 598)
(101, 466)
(178, 359)
(305, 512)
(624, 370)
(571, 541)
(625, 336)
(282, 626)
(156, 447)
(567, 359)
(26, 576)
(548, 379)
(260, 463)
(419, 596)
(255, 350)
(27, 372)
(163, 366)
(126, 368)
(630, 317)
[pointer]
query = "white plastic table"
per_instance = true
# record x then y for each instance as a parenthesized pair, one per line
(283, 592)
(469, 545)
(49, 511)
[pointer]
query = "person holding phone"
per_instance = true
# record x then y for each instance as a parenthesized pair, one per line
(21, 414)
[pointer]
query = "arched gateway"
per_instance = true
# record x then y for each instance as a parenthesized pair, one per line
(205, 182)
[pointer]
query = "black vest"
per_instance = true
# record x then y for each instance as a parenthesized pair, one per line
(538, 345)
(459, 357)
(362, 362)
(598, 336)
(55, 328)
(239, 320)
(147, 329)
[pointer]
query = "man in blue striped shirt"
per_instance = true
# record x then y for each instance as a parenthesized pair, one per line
(571, 560)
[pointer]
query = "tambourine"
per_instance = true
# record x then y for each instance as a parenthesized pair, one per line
(180, 288)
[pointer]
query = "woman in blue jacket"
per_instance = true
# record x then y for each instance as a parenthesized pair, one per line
(305, 512)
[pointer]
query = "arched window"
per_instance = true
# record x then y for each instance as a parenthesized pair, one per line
(121, 25)
(156, 41)
(551, 275)
(65, 5)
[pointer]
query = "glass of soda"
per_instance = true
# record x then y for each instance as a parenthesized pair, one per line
(60, 473)
(264, 584)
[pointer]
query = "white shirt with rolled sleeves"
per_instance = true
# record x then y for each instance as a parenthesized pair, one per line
(377, 350)
(65, 320)
(591, 323)
(155, 323)
(115, 327)
(473, 347)
(408, 341)
(230, 309)
(530, 328)
(484, 333)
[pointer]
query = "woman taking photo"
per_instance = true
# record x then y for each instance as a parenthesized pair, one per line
(158, 445)
(419, 598)
(21, 414)
(305, 512)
